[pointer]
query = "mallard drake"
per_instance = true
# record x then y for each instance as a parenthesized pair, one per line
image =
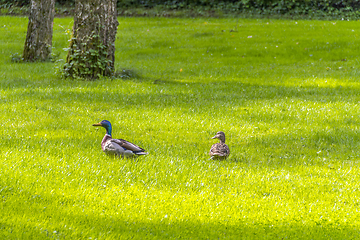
(118, 147)
(219, 150)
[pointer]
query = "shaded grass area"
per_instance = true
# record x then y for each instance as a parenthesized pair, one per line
(285, 93)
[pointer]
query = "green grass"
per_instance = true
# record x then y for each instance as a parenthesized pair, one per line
(287, 98)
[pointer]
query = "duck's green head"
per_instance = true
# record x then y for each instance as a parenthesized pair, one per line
(105, 124)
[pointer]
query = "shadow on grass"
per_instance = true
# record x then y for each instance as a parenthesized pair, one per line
(181, 92)
(33, 216)
(202, 94)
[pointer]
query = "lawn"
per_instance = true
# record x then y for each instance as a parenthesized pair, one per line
(285, 92)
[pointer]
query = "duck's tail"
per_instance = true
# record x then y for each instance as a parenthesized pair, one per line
(141, 153)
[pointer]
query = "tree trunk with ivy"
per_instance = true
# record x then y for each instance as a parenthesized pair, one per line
(38, 41)
(92, 47)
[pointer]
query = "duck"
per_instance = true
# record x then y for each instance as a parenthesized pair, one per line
(118, 147)
(219, 150)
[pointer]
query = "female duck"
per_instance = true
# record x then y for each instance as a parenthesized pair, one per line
(219, 150)
(118, 147)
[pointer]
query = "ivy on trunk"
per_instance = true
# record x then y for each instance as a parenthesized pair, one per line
(92, 47)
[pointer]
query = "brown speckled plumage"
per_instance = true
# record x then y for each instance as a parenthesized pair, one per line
(219, 150)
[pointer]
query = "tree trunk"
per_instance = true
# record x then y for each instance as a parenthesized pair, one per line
(40, 29)
(92, 46)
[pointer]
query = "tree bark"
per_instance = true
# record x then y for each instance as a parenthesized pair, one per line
(92, 46)
(40, 30)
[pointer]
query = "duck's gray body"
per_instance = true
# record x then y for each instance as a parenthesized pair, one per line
(120, 147)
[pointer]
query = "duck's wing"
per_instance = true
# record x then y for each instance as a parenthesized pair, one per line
(128, 145)
(218, 149)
